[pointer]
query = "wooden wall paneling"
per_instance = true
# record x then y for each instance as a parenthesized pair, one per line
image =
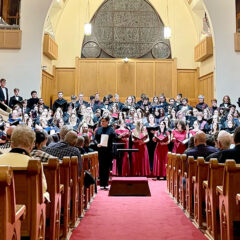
(163, 78)
(107, 82)
(47, 88)
(174, 78)
(206, 87)
(186, 82)
(50, 47)
(144, 78)
(10, 39)
(126, 79)
(65, 78)
(88, 75)
(203, 50)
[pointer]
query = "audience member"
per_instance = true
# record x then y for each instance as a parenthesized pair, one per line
(232, 153)
(224, 140)
(40, 144)
(22, 142)
(66, 147)
(201, 149)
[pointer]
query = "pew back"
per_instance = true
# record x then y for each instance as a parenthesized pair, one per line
(29, 191)
(11, 215)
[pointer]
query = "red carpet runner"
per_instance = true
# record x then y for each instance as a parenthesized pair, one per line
(136, 218)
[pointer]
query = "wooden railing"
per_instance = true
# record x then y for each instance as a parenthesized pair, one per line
(203, 50)
(50, 47)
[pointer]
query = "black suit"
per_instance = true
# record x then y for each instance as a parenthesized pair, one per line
(14, 100)
(2, 97)
(231, 154)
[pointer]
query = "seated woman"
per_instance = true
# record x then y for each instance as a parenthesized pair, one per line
(155, 103)
(86, 144)
(195, 129)
(226, 103)
(84, 129)
(40, 144)
(14, 117)
(230, 127)
(74, 121)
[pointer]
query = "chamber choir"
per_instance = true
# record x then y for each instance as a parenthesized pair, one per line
(151, 128)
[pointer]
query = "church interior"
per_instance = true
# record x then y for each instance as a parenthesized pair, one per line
(84, 59)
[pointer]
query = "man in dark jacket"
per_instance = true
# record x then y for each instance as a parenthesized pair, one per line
(60, 103)
(31, 102)
(3, 91)
(235, 152)
(201, 149)
(15, 99)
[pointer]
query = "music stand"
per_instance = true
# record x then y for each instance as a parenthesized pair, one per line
(118, 157)
(128, 150)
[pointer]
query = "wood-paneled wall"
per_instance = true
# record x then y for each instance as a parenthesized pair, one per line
(206, 87)
(187, 84)
(48, 87)
(151, 77)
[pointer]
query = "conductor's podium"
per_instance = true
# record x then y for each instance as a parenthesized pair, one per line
(129, 186)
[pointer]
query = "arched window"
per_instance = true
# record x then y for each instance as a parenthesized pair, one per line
(126, 28)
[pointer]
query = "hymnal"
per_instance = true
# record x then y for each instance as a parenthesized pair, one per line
(104, 140)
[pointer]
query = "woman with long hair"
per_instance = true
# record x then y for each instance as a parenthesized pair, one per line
(151, 127)
(178, 137)
(140, 160)
(195, 129)
(74, 121)
(123, 137)
(162, 137)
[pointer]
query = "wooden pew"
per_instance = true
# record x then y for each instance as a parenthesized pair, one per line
(215, 178)
(81, 190)
(168, 167)
(171, 173)
(65, 181)
(228, 209)
(91, 169)
(29, 191)
(192, 166)
(199, 194)
(74, 190)
(176, 177)
(86, 190)
(11, 215)
(95, 169)
(183, 159)
(53, 213)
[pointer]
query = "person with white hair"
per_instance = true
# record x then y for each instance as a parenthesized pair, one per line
(22, 143)
(224, 141)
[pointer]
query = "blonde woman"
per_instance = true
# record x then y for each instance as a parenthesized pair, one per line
(140, 159)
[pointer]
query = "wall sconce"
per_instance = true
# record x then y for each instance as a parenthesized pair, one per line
(126, 60)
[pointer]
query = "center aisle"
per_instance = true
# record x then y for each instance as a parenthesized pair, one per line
(141, 218)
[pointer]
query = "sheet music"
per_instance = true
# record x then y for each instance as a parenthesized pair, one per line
(185, 141)
(104, 140)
